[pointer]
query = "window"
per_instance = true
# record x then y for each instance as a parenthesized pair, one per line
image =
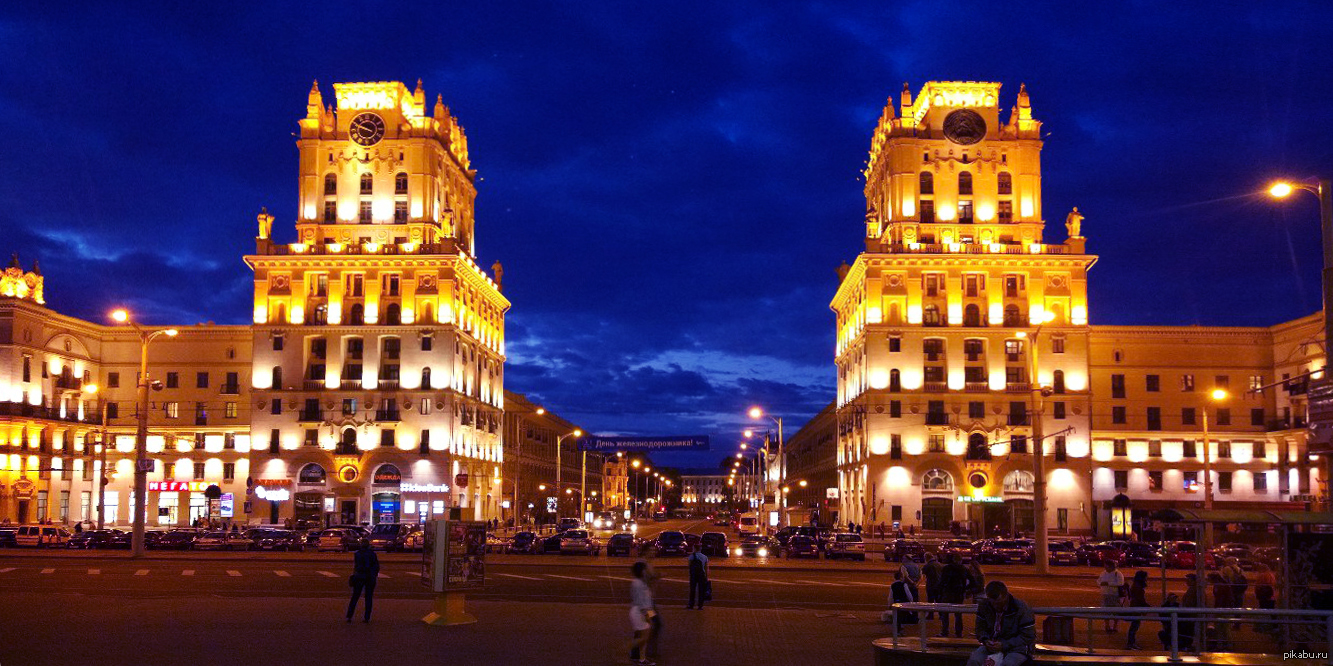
(1013, 350)
(330, 184)
(933, 348)
(1058, 410)
(365, 213)
(424, 449)
(349, 406)
(112, 379)
(895, 381)
(27, 368)
(1261, 482)
(200, 414)
(274, 436)
(1119, 447)
(895, 344)
(229, 410)
(356, 285)
(927, 180)
(896, 447)
(973, 349)
(927, 212)
(277, 342)
(1015, 375)
(934, 374)
(931, 316)
(173, 380)
(386, 437)
(311, 437)
(1191, 481)
(1188, 449)
(171, 409)
(1222, 381)
(276, 406)
(965, 183)
(973, 284)
(229, 441)
(228, 471)
(976, 410)
(400, 212)
(1058, 381)
(1061, 448)
(1005, 212)
(1154, 418)
(1155, 481)
(1256, 382)
(198, 470)
(112, 410)
(933, 283)
(367, 183)
(1057, 345)
(1224, 481)
(233, 384)
(425, 382)
(965, 212)
(1153, 383)
(1018, 444)
(1260, 450)
(1013, 285)
(1118, 415)
(277, 378)
(427, 342)
(400, 183)
(330, 211)
(1018, 413)
(935, 444)
(201, 380)
(1223, 450)
(389, 284)
(895, 409)
(1186, 383)
(1117, 386)
(1223, 416)
(1257, 416)
(1121, 479)
(1005, 183)
(1187, 416)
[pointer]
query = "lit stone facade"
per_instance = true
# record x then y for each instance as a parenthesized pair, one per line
(703, 492)
(937, 322)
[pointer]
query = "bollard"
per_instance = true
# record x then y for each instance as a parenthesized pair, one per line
(1175, 636)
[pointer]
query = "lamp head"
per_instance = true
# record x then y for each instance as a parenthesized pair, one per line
(1280, 190)
(90, 388)
(744, 446)
(739, 456)
(578, 433)
(803, 483)
(541, 411)
(748, 432)
(756, 413)
(120, 316)
(171, 332)
(634, 464)
(1219, 394)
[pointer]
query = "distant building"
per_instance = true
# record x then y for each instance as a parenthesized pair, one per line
(704, 492)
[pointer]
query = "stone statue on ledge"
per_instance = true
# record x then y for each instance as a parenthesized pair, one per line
(1074, 223)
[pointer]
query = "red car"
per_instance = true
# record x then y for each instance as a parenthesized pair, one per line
(1182, 554)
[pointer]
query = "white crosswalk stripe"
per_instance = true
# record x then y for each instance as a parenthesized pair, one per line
(6, 569)
(586, 580)
(327, 574)
(413, 573)
(284, 574)
(383, 576)
(141, 572)
(233, 572)
(517, 576)
(772, 582)
(820, 582)
(626, 578)
(675, 580)
(45, 571)
(94, 572)
(187, 572)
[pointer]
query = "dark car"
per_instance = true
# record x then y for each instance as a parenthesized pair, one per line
(1270, 556)
(714, 544)
(1138, 554)
(1005, 551)
(693, 541)
(388, 536)
(182, 539)
(273, 539)
(521, 543)
(820, 535)
(1097, 554)
(801, 545)
(622, 544)
(90, 539)
(754, 545)
(8, 536)
(550, 544)
(1183, 554)
(1061, 552)
(903, 550)
(338, 539)
(670, 542)
(960, 547)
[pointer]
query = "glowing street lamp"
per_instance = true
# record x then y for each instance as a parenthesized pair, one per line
(758, 413)
(559, 461)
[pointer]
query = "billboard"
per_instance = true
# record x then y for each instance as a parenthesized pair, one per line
(645, 444)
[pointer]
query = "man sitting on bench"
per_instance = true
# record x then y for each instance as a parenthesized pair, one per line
(1005, 626)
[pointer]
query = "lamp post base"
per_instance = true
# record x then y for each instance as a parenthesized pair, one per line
(449, 610)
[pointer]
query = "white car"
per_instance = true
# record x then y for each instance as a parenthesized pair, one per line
(221, 541)
(846, 544)
(578, 542)
(41, 535)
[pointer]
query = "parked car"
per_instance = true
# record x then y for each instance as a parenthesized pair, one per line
(221, 541)
(670, 542)
(494, 543)
(521, 543)
(178, 539)
(714, 544)
(801, 545)
(659, 516)
(1270, 556)
(1061, 552)
(550, 544)
(846, 545)
(414, 540)
(754, 545)
(903, 550)
(721, 520)
(338, 539)
(623, 544)
(387, 536)
(1005, 551)
(569, 524)
(578, 542)
(41, 536)
(92, 539)
(1097, 554)
(9, 536)
(1183, 554)
(693, 541)
(1241, 551)
(1139, 554)
(960, 547)
(263, 538)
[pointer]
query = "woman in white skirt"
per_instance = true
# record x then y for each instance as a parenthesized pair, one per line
(642, 609)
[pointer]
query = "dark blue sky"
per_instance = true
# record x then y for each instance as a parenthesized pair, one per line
(670, 186)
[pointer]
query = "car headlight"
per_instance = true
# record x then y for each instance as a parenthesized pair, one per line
(634, 528)
(739, 551)
(763, 552)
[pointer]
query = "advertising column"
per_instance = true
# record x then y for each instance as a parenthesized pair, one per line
(453, 562)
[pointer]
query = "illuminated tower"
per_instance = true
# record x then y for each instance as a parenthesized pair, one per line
(936, 320)
(379, 342)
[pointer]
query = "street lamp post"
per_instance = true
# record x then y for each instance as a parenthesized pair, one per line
(1041, 549)
(92, 389)
(757, 413)
(559, 465)
(1218, 395)
(141, 462)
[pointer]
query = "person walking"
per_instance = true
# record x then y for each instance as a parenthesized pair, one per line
(931, 571)
(954, 581)
(904, 590)
(1005, 626)
(642, 612)
(1111, 584)
(1264, 584)
(699, 586)
(1222, 591)
(365, 573)
(1138, 598)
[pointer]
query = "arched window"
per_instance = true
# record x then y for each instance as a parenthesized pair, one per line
(927, 182)
(320, 315)
(978, 448)
(367, 183)
(965, 183)
(312, 473)
(277, 378)
(937, 480)
(357, 315)
(1058, 380)
(400, 183)
(331, 184)
(1018, 481)
(1006, 183)
(393, 315)
(425, 378)
(1012, 315)
(972, 315)
(347, 444)
(895, 381)
(930, 316)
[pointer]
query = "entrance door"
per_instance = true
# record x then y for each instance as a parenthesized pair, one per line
(1023, 515)
(347, 512)
(936, 513)
(23, 511)
(387, 507)
(273, 512)
(997, 520)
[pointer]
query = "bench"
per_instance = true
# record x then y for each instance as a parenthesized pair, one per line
(955, 651)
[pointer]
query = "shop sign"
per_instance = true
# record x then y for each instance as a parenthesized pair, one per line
(228, 505)
(387, 475)
(831, 493)
(347, 473)
(273, 494)
(178, 486)
(984, 499)
(424, 488)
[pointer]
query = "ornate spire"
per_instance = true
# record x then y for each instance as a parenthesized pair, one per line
(14, 261)
(906, 97)
(314, 104)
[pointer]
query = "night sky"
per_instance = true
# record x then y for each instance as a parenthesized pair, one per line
(670, 186)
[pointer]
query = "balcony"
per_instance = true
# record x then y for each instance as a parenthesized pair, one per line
(313, 385)
(388, 415)
(71, 383)
(278, 249)
(1284, 424)
(50, 413)
(200, 420)
(969, 248)
(350, 384)
(936, 418)
(1018, 387)
(935, 387)
(976, 387)
(230, 389)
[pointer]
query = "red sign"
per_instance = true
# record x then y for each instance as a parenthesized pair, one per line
(178, 486)
(461, 480)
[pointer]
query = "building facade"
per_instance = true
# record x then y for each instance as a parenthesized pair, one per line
(963, 334)
(531, 434)
(704, 492)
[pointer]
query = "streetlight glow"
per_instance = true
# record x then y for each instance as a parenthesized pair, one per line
(541, 411)
(90, 388)
(744, 446)
(1219, 394)
(748, 433)
(578, 433)
(1281, 189)
(634, 464)
(803, 483)
(171, 332)
(120, 315)
(756, 413)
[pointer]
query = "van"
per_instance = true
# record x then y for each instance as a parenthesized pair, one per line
(748, 524)
(41, 536)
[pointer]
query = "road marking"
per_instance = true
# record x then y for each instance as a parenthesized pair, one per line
(94, 572)
(284, 574)
(187, 572)
(586, 580)
(817, 582)
(771, 582)
(327, 574)
(141, 572)
(517, 576)
(611, 577)
(383, 576)
(6, 569)
(855, 582)
(675, 580)
(413, 573)
(48, 570)
(233, 572)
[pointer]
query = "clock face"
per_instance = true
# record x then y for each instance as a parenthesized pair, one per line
(965, 127)
(366, 129)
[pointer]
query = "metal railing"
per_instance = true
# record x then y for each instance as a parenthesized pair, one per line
(1174, 615)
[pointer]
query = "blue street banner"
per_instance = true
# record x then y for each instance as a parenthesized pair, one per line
(645, 444)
